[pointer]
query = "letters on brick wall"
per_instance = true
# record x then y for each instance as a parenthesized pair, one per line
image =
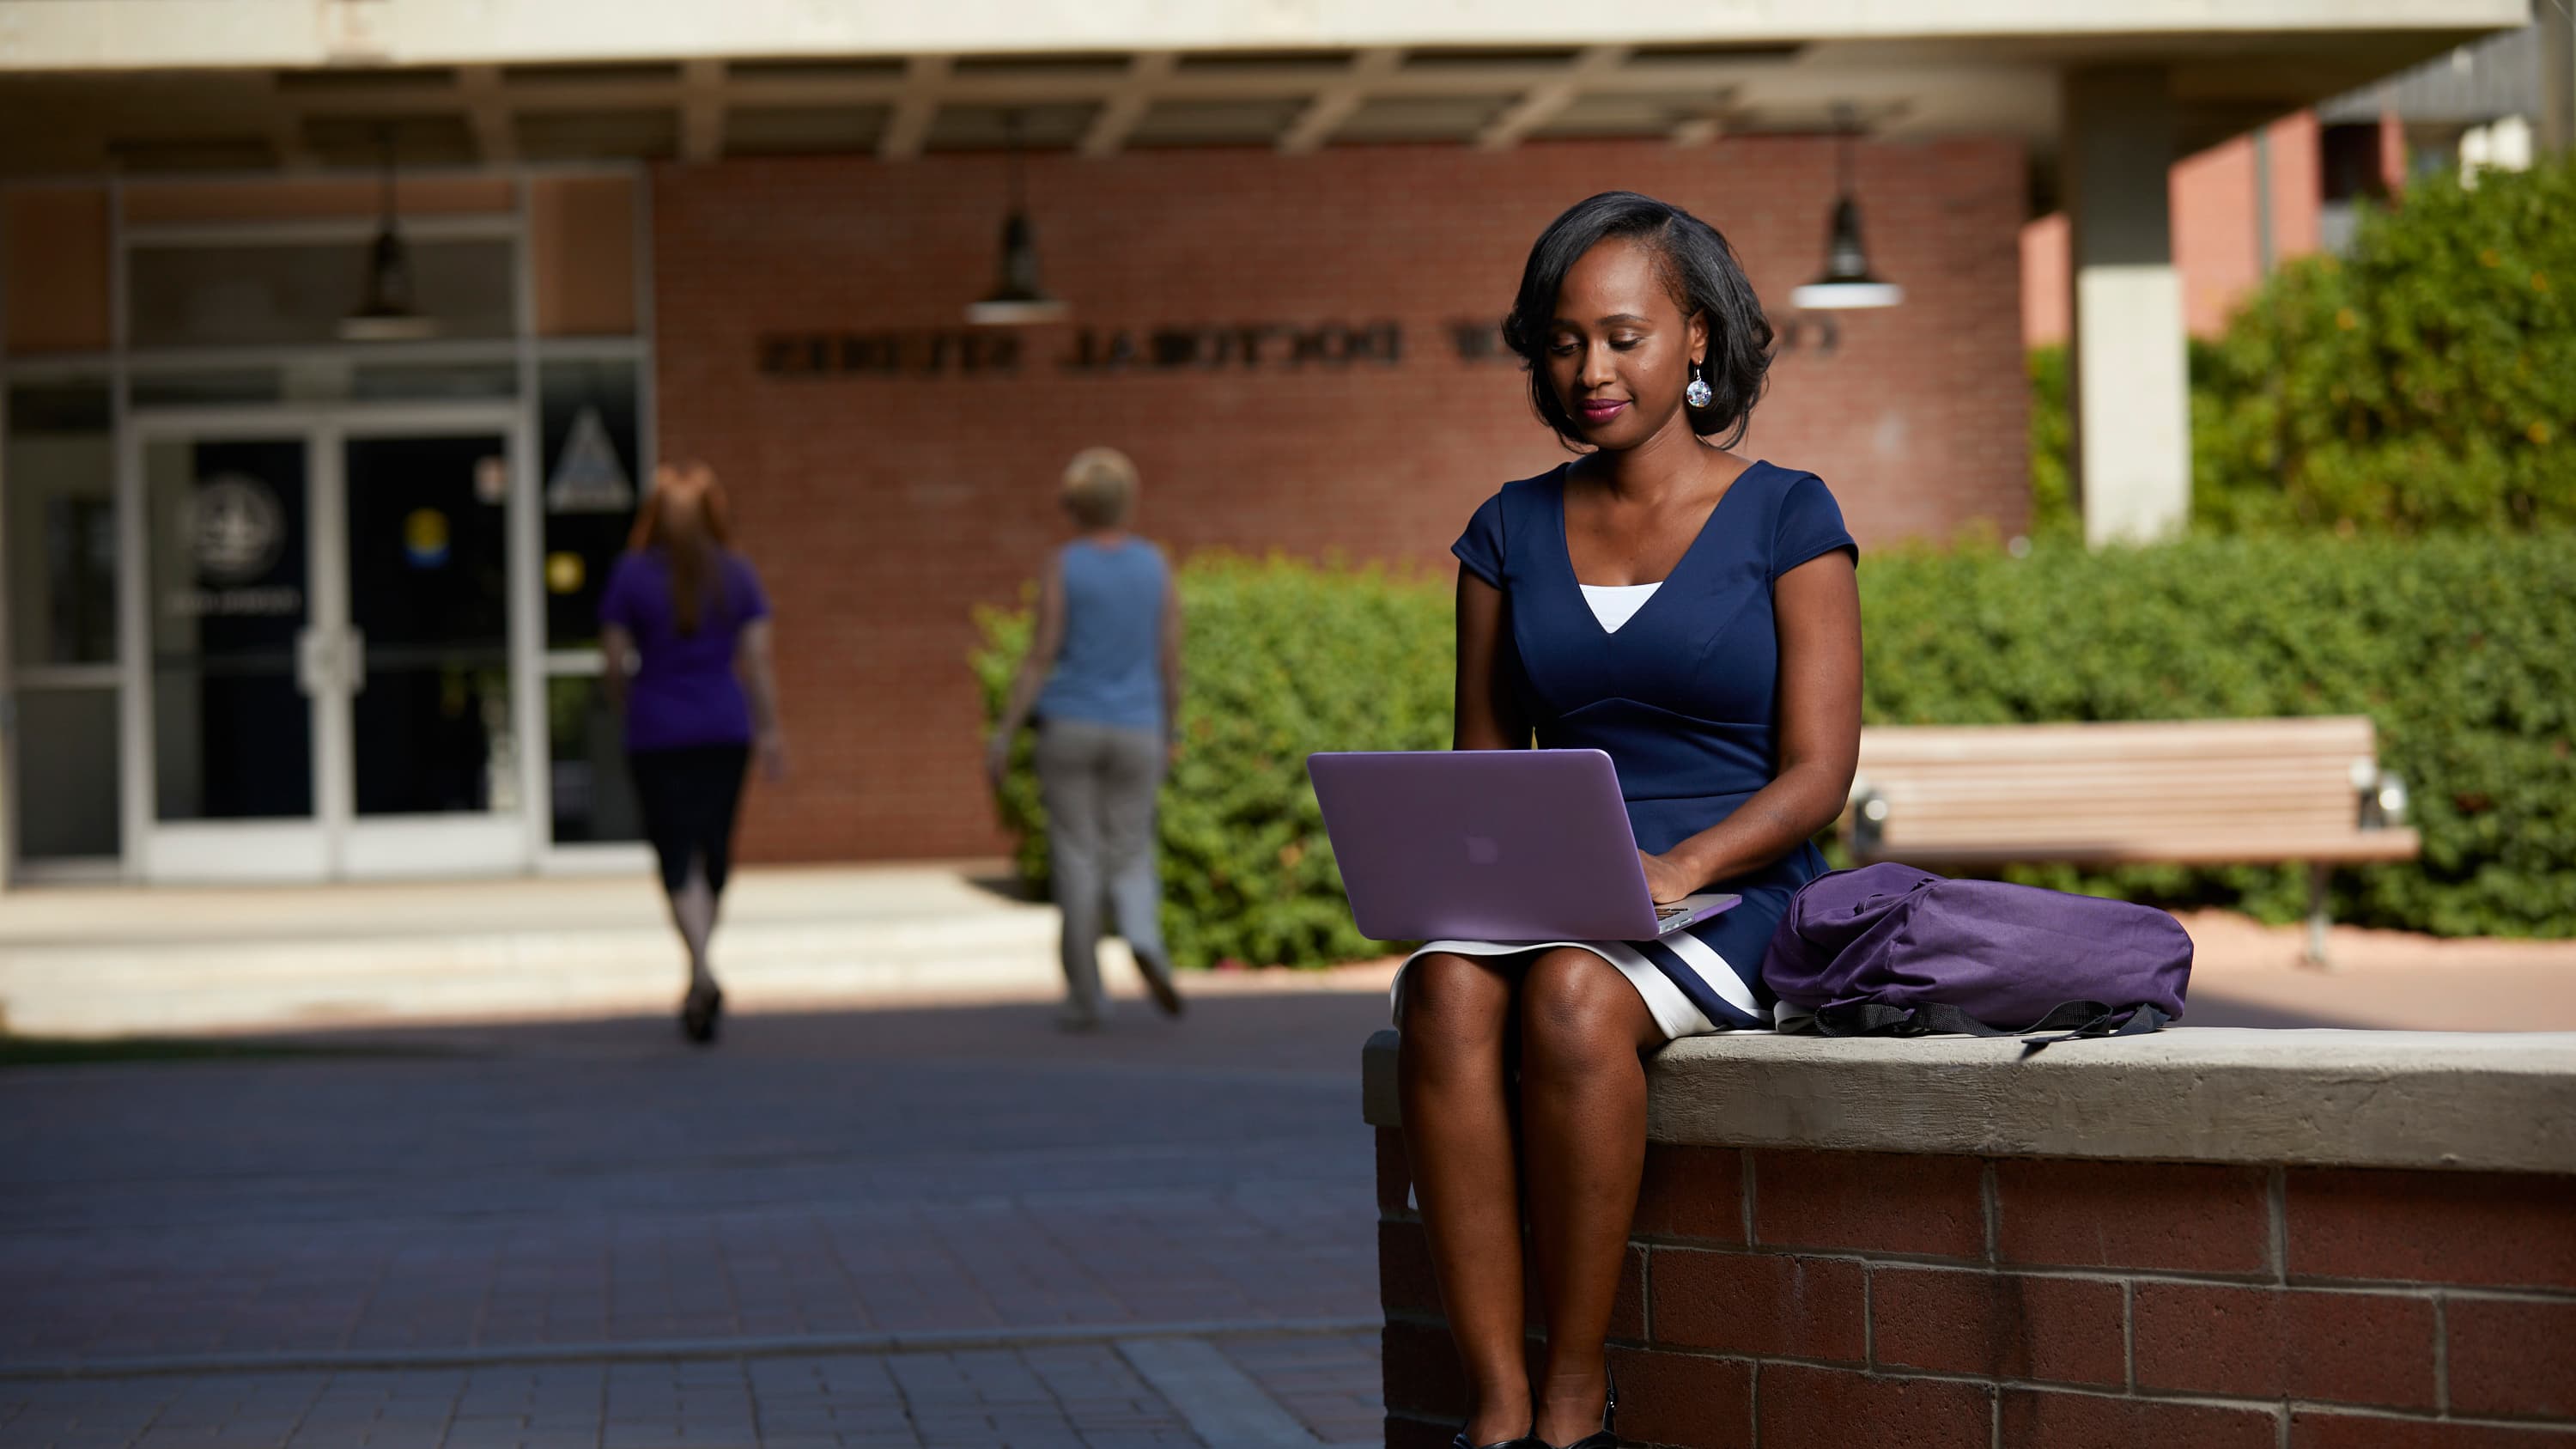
(971, 352)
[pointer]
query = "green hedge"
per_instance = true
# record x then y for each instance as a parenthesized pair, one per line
(2462, 648)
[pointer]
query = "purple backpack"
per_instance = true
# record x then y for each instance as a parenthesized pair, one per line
(1889, 950)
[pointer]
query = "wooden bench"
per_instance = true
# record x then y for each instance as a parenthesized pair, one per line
(2189, 792)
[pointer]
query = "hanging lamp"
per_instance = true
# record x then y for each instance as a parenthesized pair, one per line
(1847, 281)
(386, 313)
(1016, 299)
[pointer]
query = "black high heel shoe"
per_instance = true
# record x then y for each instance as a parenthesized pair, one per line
(699, 1013)
(1606, 1437)
(1526, 1441)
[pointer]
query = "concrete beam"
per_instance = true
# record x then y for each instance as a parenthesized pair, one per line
(1544, 104)
(156, 34)
(487, 114)
(2489, 1102)
(1122, 108)
(1698, 131)
(702, 110)
(2129, 383)
(915, 108)
(1336, 103)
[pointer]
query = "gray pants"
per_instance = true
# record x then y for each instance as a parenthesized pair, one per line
(1099, 782)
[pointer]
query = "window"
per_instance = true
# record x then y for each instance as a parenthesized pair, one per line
(61, 523)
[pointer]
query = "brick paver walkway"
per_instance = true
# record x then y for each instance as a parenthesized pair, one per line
(899, 1227)
(924, 1227)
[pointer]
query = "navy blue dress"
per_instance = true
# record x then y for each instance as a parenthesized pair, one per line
(1684, 698)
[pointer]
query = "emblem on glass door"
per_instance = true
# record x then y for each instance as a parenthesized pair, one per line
(235, 528)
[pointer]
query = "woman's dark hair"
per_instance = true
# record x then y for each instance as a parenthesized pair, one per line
(1695, 263)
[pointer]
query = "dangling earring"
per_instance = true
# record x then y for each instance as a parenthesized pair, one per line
(1699, 394)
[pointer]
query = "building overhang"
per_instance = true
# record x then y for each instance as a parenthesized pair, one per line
(144, 86)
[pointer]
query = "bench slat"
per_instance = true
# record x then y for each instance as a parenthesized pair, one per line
(2359, 846)
(2318, 734)
(2194, 792)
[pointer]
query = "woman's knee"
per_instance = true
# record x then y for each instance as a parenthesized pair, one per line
(1576, 1007)
(1452, 1001)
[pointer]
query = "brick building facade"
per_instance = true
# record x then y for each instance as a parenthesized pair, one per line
(1297, 350)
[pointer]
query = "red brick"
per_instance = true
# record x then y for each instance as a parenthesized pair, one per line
(2009, 1325)
(1394, 1172)
(1404, 1277)
(1420, 1372)
(880, 510)
(1628, 1310)
(2317, 1429)
(1692, 1192)
(2354, 1348)
(1759, 1303)
(2512, 1357)
(2132, 1215)
(1880, 1202)
(1672, 1398)
(2505, 1230)
(1823, 1408)
(2042, 1420)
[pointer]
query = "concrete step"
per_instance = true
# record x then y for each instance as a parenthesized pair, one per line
(113, 961)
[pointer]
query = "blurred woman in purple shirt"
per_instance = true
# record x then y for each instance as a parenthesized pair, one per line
(686, 631)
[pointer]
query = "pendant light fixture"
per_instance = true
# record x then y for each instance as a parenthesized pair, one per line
(1016, 299)
(1847, 281)
(386, 313)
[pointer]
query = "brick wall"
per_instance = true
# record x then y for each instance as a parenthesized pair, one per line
(1793, 1298)
(882, 509)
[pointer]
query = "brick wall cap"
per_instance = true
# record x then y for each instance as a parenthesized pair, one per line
(2496, 1103)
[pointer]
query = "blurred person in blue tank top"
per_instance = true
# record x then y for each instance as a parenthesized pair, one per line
(1102, 682)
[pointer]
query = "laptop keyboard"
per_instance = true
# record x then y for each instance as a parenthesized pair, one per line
(1666, 913)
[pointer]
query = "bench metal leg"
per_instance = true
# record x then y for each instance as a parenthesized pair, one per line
(2316, 955)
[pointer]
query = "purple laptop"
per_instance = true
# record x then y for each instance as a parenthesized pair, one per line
(1491, 845)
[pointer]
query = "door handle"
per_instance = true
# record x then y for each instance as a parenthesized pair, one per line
(313, 661)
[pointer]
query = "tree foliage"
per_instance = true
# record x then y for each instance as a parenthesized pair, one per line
(2425, 381)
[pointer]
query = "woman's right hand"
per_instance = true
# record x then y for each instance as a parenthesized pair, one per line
(771, 746)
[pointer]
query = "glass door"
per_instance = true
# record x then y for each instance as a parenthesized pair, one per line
(340, 643)
(237, 667)
(430, 724)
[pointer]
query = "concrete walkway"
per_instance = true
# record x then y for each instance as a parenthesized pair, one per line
(105, 960)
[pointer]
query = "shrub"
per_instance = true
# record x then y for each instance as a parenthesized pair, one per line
(2462, 648)
(2052, 437)
(2426, 381)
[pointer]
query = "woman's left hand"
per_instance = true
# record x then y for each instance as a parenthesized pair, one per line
(1666, 879)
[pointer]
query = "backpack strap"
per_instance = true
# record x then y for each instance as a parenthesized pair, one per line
(2136, 1021)
(2069, 1021)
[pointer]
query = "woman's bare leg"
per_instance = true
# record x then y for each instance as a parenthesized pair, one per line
(1458, 1133)
(693, 910)
(1583, 1130)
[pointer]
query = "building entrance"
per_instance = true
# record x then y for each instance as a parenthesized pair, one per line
(339, 618)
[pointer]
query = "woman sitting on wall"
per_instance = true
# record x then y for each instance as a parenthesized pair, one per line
(1694, 614)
